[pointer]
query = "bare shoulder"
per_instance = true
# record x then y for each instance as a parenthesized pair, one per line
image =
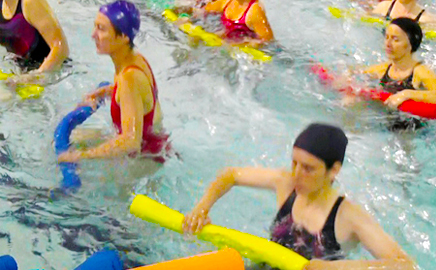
(377, 70)
(423, 69)
(381, 8)
(30, 5)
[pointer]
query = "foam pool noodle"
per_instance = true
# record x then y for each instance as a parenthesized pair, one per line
(8, 263)
(256, 248)
(71, 181)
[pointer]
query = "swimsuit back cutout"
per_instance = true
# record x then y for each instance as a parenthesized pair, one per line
(151, 142)
(21, 38)
(395, 86)
(237, 29)
(322, 245)
(388, 14)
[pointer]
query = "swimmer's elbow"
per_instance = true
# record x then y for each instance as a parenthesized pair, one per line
(227, 176)
(64, 49)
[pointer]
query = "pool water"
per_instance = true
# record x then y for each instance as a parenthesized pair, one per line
(221, 111)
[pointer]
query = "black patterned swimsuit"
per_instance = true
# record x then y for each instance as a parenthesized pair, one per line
(322, 245)
(390, 85)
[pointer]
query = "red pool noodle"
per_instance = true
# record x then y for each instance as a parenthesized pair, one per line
(422, 109)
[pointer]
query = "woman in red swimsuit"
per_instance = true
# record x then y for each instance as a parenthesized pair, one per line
(244, 20)
(135, 108)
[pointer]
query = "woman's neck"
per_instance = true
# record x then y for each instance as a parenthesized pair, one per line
(122, 57)
(408, 4)
(403, 63)
(319, 197)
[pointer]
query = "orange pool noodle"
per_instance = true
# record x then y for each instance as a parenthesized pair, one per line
(225, 259)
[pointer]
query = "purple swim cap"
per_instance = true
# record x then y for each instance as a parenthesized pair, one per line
(124, 16)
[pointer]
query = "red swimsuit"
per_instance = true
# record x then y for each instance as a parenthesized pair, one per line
(155, 144)
(238, 29)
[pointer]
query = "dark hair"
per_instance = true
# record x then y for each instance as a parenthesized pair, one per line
(119, 33)
(412, 30)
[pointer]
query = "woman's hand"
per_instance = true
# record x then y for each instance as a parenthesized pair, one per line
(89, 102)
(29, 78)
(195, 221)
(72, 156)
(397, 99)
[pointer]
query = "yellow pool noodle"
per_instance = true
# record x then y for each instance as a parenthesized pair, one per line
(350, 13)
(211, 39)
(256, 248)
(25, 90)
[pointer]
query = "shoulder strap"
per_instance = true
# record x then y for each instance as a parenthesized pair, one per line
(249, 6)
(388, 14)
(19, 8)
(419, 16)
(329, 227)
(386, 75)
(225, 7)
(286, 207)
(153, 86)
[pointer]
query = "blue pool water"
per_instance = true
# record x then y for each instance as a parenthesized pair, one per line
(221, 111)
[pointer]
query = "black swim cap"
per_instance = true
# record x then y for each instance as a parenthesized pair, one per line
(324, 141)
(412, 29)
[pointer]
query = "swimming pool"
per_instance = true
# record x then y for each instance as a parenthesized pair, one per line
(220, 112)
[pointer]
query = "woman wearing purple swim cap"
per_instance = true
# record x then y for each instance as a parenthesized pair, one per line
(135, 109)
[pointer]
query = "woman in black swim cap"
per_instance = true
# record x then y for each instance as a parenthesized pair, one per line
(402, 75)
(313, 219)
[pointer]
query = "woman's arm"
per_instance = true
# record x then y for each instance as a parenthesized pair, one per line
(425, 77)
(253, 177)
(132, 114)
(216, 6)
(388, 254)
(376, 71)
(258, 22)
(39, 14)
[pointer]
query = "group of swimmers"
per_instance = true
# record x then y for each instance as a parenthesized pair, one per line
(313, 219)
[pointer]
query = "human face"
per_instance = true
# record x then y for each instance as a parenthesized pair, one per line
(104, 35)
(397, 43)
(309, 172)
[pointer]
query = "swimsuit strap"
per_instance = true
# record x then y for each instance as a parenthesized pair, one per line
(153, 86)
(228, 3)
(245, 12)
(408, 78)
(286, 207)
(386, 75)
(329, 227)
(388, 14)
(248, 9)
(419, 16)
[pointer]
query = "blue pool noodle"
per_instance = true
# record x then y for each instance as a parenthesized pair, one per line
(8, 263)
(102, 260)
(71, 181)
